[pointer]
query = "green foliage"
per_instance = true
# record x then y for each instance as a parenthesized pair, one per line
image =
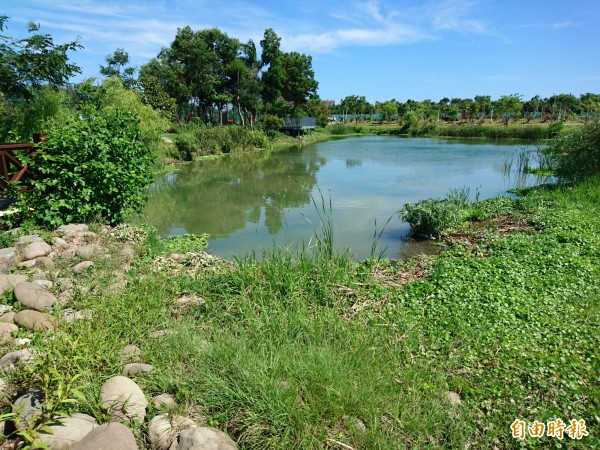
(430, 217)
(112, 95)
(20, 119)
(93, 169)
(577, 155)
(184, 243)
(26, 64)
(200, 140)
(270, 123)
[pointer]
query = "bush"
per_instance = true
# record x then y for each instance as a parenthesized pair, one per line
(94, 169)
(577, 155)
(430, 217)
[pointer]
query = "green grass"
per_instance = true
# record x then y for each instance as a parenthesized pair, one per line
(314, 351)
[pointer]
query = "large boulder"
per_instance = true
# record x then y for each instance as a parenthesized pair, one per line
(9, 282)
(7, 332)
(8, 258)
(163, 429)
(204, 438)
(34, 296)
(34, 320)
(124, 398)
(12, 359)
(36, 249)
(109, 436)
(28, 406)
(68, 431)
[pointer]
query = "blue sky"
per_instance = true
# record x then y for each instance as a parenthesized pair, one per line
(382, 49)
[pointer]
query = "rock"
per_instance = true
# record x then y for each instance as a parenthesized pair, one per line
(27, 264)
(205, 438)
(8, 282)
(45, 262)
(34, 320)
(166, 140)
(8, 258)
(128, 253)
(85, 252)
(70, 315)
(7, 332)
(8, 317)
(20, 357)
(27, 406)
(131, 353)
(82, 266)
(355, 422)
(454, 398)
(184, 303)
(68, 431)
(34, 296)
(22, 342)
(46, 284)
(60, 243)
(158, 333)
(135, 368)
(4, 392)
(5, 309)
(36, 249)
(109, 436)
(163, 401)
(71, 229)
(39, 275)
(29, 239)
(164, 429)
(124, 398)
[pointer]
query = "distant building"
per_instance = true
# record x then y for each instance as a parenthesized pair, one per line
(329, 103)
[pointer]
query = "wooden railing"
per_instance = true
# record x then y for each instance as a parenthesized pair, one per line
(12, 169)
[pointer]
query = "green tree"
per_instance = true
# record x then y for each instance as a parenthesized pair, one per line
(117, 65)
(318, 109)
(389, 109)
(26, 64)
(287, 75)
(509, 106)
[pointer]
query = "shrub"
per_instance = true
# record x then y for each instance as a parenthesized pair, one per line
(577, 155)
(93, 169)
(430, 217)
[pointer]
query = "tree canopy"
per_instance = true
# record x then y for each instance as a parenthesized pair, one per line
(28, 63)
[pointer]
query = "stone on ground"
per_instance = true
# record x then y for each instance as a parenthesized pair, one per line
(20, 357)
(165, 401)
(164, 429)
(205, 438)
(109, 436)
(82, 266)
(137, 368)
(71, 229)
(7, 332)
(68, 431)
(124, 398)
(8, 258)
(34, 296)
(30, 238)
(131, 353)
(27, 406)
(34, 320)
(36, 249)
(85, 252)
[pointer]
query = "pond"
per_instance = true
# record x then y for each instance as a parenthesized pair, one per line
(248, 203)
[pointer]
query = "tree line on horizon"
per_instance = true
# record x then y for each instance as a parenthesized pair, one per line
(559, 107)
(208, 76)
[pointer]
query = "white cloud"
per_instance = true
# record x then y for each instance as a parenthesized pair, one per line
(504, 78)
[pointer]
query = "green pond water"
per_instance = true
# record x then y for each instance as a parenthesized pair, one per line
(249, 203)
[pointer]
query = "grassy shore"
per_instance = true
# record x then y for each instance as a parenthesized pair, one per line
(314, 351)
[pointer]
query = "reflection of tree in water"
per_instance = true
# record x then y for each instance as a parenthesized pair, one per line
(353, 163)
(219, 197)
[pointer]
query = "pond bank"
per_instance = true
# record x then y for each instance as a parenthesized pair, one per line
(313, 352)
